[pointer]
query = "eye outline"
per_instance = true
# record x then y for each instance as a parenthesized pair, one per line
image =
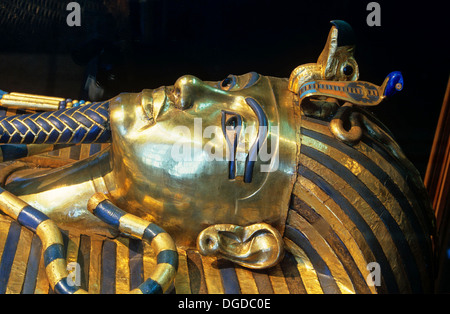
(231, 82)
(231, 134)
(348, 66)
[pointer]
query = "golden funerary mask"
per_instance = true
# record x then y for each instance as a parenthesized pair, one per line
(244, 168)
(200, 153)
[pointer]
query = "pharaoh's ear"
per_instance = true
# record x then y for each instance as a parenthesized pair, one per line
(256, 246)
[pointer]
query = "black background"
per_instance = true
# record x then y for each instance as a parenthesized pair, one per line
(146, 44)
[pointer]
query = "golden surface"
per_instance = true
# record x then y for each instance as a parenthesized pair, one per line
(212, 275)
(255, 246)
(19, 265)
(306, 269)
(169, 164)
(182, 282)
(329, 65)
(336, 268)
(122, 268)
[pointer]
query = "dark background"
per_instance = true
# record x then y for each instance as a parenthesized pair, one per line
(132, 45)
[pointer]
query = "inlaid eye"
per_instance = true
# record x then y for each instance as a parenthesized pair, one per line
(232, 122)
(228, 83)
(347, 70)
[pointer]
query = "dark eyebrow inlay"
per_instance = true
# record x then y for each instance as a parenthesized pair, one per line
(253, 79)
(262, 135)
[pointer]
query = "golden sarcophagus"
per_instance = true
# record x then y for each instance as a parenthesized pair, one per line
(253, 184)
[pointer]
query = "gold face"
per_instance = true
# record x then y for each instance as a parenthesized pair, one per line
(192, 154)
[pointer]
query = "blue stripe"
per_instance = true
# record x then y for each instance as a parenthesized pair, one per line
(169, 257)
(105, 137)
(39, 140)
(4, 138)
(108, 276)
(9, 251)
(20, 126)
(152, 231)
(31, 217)
(109, 213)
(78, 136)
(136, 263)
(56, 122)
(374, 169)
(43, 123)
(360, 223)
(229, 278)
(150, 287)
(324, 275)
(417, 190)
(34, 258)
(65, 136)
(53, 252)
(92, 134)
(94, 148)
(307, 91)
(52, 137)
(7, 126)
(63, 287)
(397, 235)
(11, 151)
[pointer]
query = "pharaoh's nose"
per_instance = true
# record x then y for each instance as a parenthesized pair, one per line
(185, 90)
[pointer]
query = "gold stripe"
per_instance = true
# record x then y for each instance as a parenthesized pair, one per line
(11, 204)
(84, 151)
(397, 178)
(246, 281)
(95, 266)
(4, 230)
(333, 214)
(104, 146)
(72, 248)
(37, 100)
(36, 96)
(42, 284)
(65, 153)
(182, 282)
(163, 241)
(149, 259)
(133, 225)
(213, 278)
(377, 226)
(380, 191)
(72, 255)
(324, 129)
(162, 274)
(305, 268)
(21, 104)
(278, 280)
(122, 266)
(49, 234)
(56, 270)
(382, 163)
(19, 266)
(35, 149)
(136, 291)
(337, 270)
